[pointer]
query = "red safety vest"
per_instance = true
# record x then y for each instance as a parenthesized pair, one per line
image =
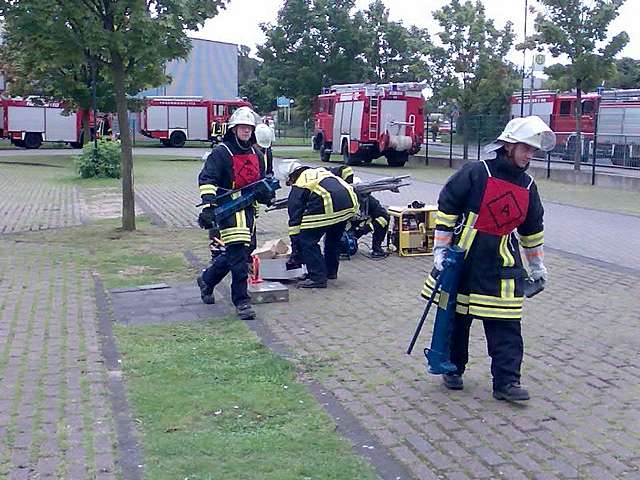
(246, 168)
(504, 206)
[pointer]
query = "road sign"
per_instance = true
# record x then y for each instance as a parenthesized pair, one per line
(538, 62)
(283, 102)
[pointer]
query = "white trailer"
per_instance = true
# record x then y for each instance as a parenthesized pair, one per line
(28, 122)
(174, 120)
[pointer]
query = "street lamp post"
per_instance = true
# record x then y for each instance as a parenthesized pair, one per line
(524, 60)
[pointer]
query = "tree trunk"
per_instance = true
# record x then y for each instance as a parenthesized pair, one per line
(128, 198)
(86, 129)
(578, 113)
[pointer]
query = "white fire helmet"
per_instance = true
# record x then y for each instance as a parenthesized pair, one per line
(242, 116)
(357, 180)
(531, 131)
(264, 135)
(287, 167)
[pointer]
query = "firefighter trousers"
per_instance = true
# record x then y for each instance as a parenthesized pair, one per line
(504, 345)
(234, 260)
(319, 266)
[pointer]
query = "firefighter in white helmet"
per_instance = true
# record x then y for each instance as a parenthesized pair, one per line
(490, 209)
(264, 139)
(231, 165)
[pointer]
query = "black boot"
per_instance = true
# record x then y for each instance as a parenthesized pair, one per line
(308, 283)
(378, 253)
(453, 381)
(245, 312)
(511, 393)
(206, 292)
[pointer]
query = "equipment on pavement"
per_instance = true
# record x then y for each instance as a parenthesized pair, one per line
(412, 229)
(233, 201)
(438, 356)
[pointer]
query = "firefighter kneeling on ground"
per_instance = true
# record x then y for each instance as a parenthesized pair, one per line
(480, 208)
(231, 165)
(319, 204)
(376, 215)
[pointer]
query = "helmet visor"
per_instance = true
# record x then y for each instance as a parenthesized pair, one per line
(547, 141)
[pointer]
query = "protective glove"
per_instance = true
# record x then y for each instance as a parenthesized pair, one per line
(206, 219)
(438, 258)
(441, 240)
(538, 271)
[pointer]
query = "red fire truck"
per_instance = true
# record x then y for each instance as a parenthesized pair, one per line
(174, 120)
(365, 121)
(613, 114)
(28, 122)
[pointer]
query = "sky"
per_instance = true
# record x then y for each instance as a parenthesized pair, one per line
(240, 22)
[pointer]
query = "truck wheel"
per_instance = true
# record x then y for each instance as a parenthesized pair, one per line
(18, 143)
(177, 139)
(397, 159)
(325, 153)
(347, 158)
(32, 140)
(318, 141)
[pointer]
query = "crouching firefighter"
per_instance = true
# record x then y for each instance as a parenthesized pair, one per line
(376, 217)
(480, 209)
(319, 204)
(233, 164)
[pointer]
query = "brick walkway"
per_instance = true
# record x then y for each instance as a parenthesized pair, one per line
(29, 204)
(55, 416)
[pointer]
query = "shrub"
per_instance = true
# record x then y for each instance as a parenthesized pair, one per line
(104, 163)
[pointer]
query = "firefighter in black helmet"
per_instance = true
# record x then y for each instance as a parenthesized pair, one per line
(320, 204)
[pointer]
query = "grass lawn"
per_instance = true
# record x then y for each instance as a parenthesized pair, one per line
(214, 403)
(598, 198)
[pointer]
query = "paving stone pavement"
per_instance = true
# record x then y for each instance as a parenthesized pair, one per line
(55, 415)
(27, 203)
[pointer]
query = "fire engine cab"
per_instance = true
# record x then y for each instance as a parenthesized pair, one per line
(174, 120)
(28, 122)
(611, 118)
(362, 122)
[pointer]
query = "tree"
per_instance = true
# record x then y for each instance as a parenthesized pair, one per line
(578, 29)
(393, 52)
(131, 39)
(312, 45)
(627, 74)
(469, 63)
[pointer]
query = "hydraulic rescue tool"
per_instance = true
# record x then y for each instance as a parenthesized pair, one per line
(438, 356)
(362, 189)
(233, 201)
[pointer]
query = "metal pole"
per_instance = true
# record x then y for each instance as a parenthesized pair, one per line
(94, 67)
(595, 151)
(426, 143)
(548, 165)
(531, 91)
(451, 141)
(524, 60)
